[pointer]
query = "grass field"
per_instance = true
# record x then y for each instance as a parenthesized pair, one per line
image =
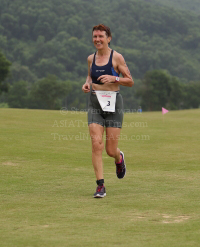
(47, 182)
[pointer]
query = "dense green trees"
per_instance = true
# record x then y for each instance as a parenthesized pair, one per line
(160, 89)
(4, 70)
(46, 93)
(54, 37)
(191, 5)
(155, 90)
(18, 95)
(192, 95)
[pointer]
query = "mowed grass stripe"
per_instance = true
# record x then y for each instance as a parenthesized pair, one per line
(47, 181)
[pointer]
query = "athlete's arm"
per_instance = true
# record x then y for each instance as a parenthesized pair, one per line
(86, 85)
(127, 79)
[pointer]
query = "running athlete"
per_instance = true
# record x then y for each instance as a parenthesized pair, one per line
(105, 103)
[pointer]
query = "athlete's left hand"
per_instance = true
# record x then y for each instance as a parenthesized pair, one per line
(106, 78)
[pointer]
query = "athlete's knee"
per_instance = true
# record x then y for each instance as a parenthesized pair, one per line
(97, 146)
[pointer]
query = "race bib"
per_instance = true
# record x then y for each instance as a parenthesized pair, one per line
(107, 100)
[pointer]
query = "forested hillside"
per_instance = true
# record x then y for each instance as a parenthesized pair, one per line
(191, 5)
(54, 37)
(41, 37)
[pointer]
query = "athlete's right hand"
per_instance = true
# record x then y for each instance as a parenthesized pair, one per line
(86, 87)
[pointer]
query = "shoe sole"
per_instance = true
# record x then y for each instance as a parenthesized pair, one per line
(124, 164)
(99, 196)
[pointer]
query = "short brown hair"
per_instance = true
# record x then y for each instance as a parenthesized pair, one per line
(102, 27)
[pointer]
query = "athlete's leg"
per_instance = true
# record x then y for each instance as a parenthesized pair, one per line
(112, 137)
(96, 133)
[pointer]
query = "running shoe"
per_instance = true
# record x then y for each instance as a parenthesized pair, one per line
(100, 192)
(121, 168)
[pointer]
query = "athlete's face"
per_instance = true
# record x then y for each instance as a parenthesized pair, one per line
(100, 39)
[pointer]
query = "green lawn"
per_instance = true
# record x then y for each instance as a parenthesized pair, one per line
(47, 181)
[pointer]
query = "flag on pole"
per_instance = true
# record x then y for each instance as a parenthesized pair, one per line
(164, 110)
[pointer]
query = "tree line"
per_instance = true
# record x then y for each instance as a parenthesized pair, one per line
(157, 89)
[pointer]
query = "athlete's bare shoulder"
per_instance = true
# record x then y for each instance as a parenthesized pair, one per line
(118, 57)
(90, 58)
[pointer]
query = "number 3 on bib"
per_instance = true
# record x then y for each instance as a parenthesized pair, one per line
(107, 105)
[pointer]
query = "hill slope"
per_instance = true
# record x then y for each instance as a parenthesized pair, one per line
(191, 5)
(42, 37)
